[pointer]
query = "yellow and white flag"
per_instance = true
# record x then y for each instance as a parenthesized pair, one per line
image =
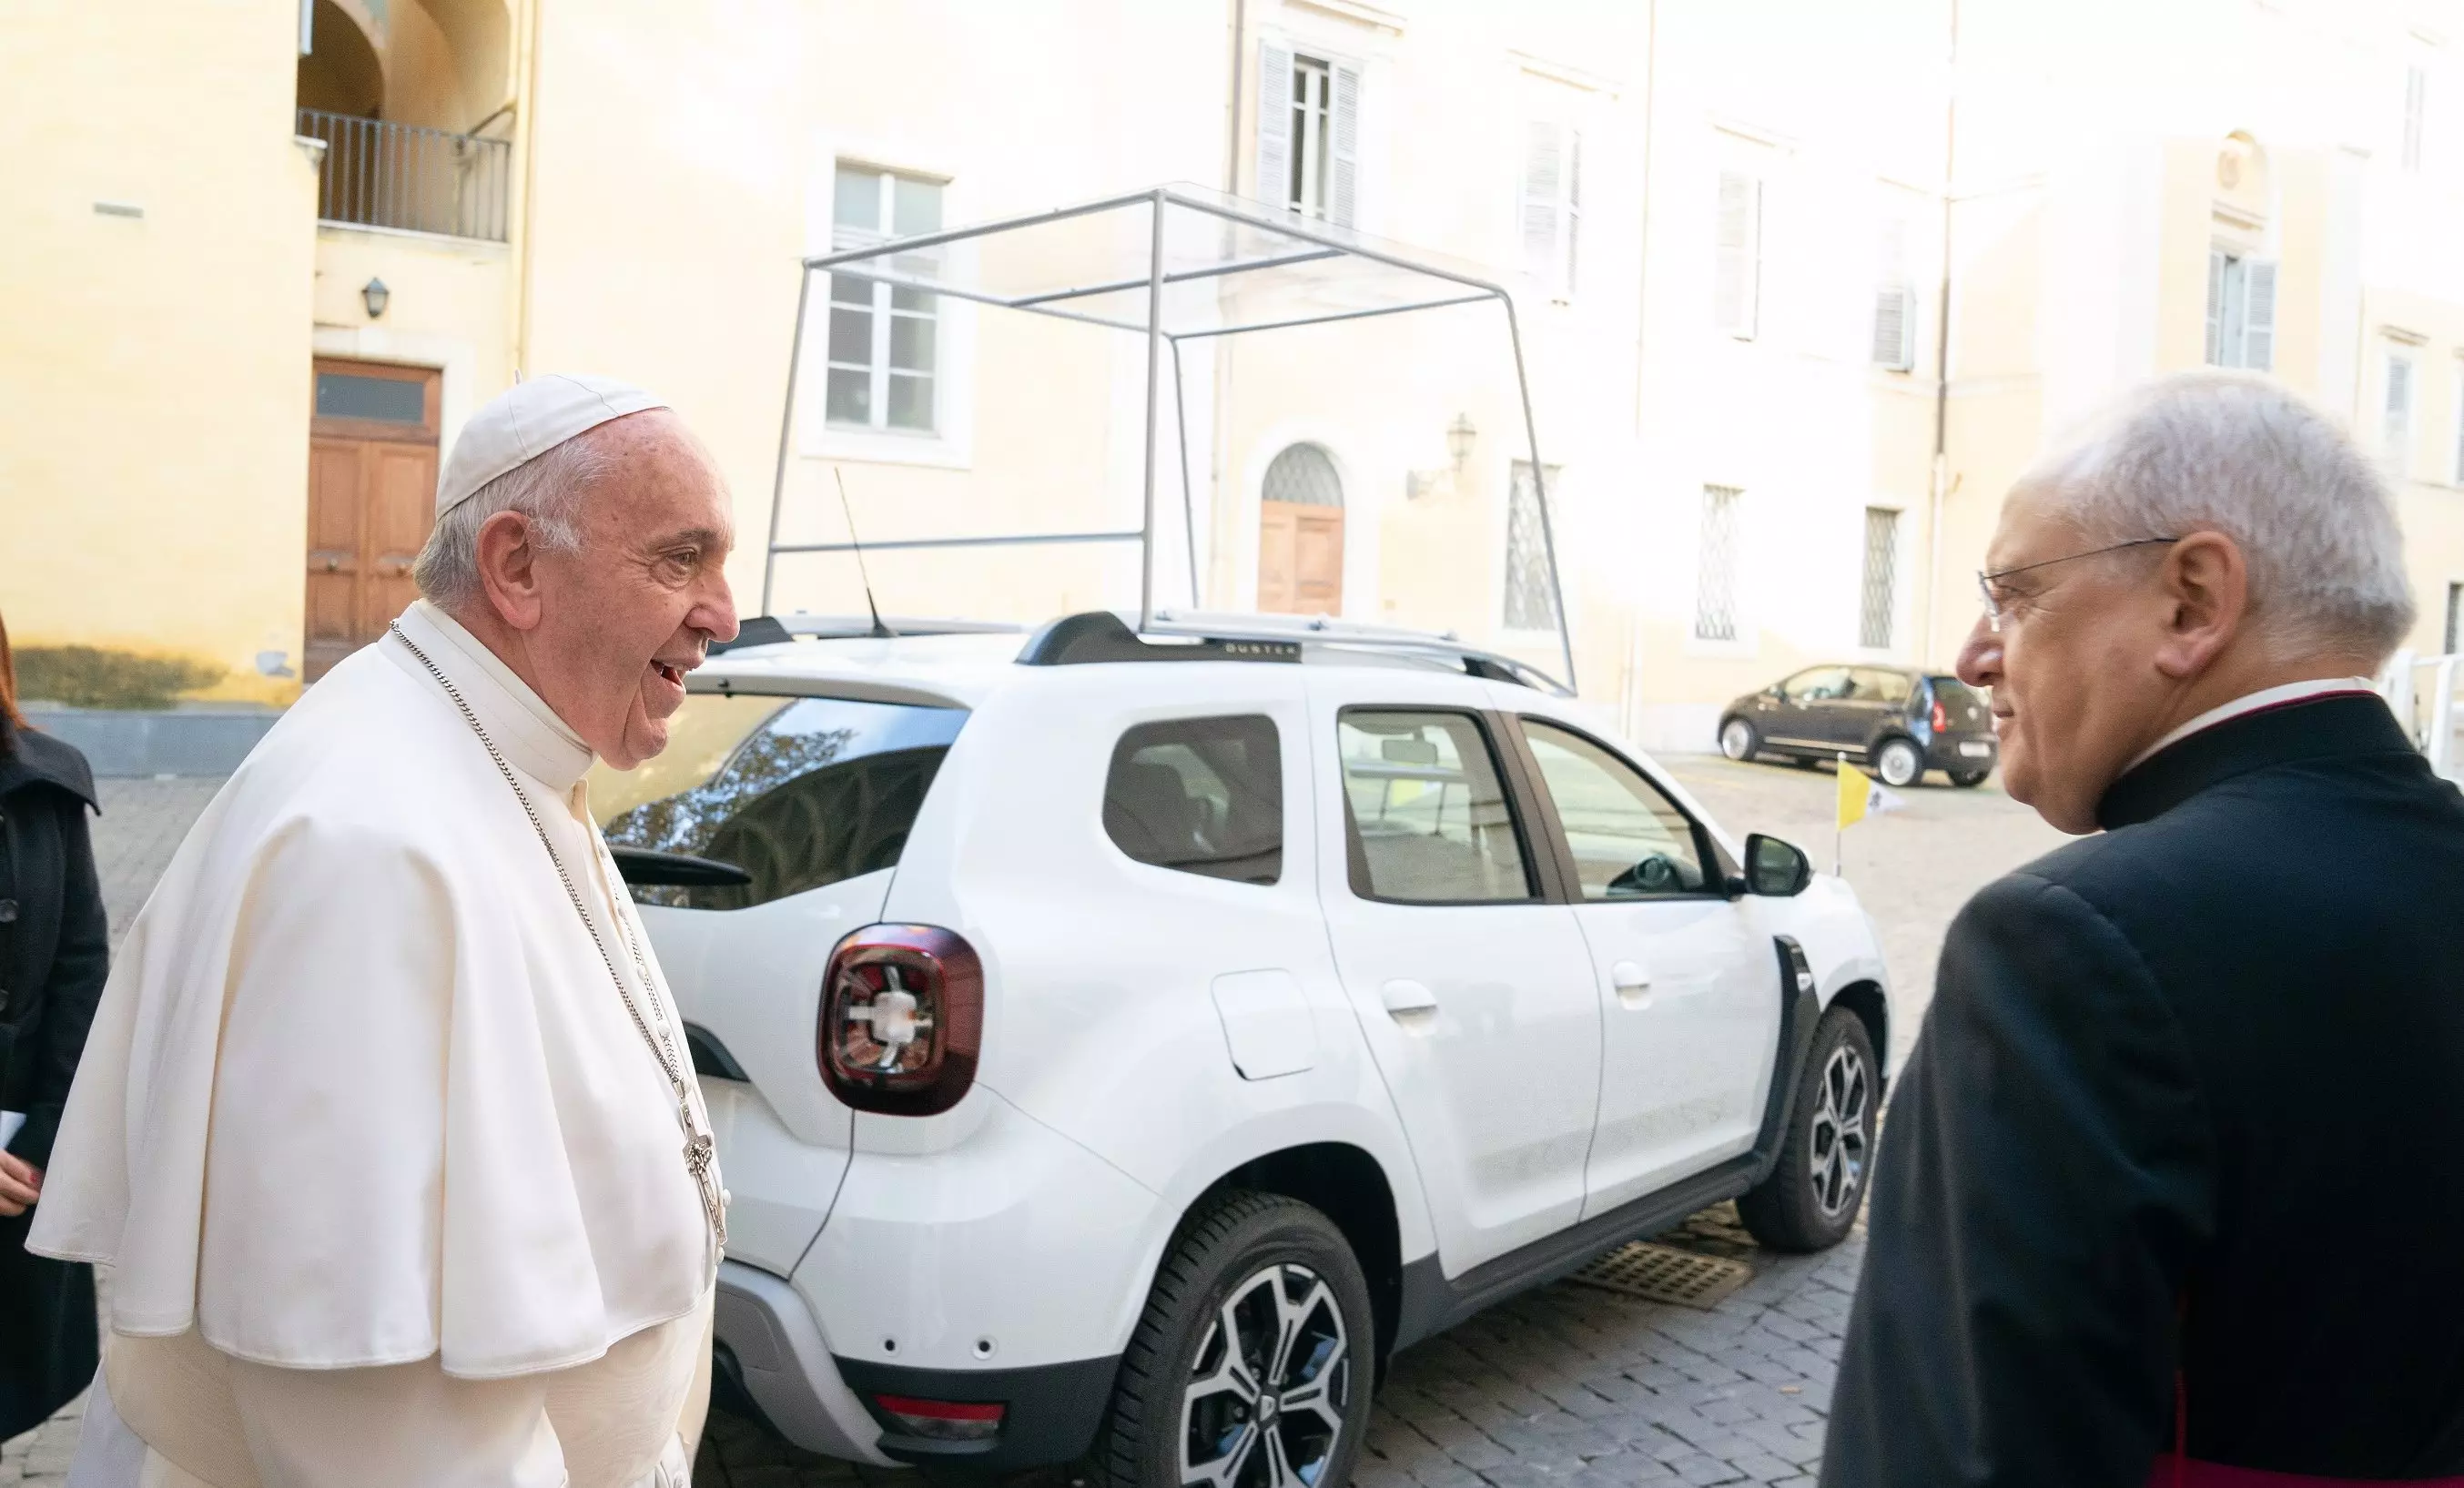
(1860, 795)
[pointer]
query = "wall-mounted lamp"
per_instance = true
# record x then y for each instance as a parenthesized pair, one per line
(376, 296)
(1459, 435)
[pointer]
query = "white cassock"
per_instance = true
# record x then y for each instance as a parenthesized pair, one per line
(392, 1187)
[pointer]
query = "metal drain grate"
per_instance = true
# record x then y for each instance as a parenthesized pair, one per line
(1663, 1274)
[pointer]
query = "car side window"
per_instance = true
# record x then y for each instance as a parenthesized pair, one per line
(1629, 841)
(1201, 796)
(1819, 685)
(1427, 820)
(1874, 684)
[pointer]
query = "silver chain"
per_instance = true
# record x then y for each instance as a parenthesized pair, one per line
(699, 1150)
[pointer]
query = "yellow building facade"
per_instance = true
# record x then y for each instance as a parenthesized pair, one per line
(263, 260)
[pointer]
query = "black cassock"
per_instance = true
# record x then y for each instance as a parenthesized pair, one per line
(53, 952)
(2187, 1114)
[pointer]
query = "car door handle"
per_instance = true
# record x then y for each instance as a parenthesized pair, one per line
(1633, 985)
(1407, 996)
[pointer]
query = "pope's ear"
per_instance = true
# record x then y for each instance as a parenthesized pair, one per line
(508, 560)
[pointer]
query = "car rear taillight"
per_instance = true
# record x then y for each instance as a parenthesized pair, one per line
(942, 1420)
(1941, 717)
(902, 1019)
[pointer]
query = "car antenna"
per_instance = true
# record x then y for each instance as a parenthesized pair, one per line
(879, 630)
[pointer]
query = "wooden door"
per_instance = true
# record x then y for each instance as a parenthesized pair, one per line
(1300, 559)
(371, 492)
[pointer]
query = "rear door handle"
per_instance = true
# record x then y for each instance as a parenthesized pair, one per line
(1407, 996)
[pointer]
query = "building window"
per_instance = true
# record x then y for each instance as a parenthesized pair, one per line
(884, 348)
(1880, 605)
(2459, 423)
(1895, 300)
(1531, 578)
(2455, 618)
(1309, 131)
(1715, 573)
(2395, 430)
(2241, 311)
(1736, 274)
(2416, 103)
(1552, 202)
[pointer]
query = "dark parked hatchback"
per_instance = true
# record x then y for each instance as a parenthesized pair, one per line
(1896, 722)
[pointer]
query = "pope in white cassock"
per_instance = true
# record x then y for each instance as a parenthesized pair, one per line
(385, 1125)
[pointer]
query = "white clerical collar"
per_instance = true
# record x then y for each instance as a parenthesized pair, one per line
(535, 741)
(2265, 697)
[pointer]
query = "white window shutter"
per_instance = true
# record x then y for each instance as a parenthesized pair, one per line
(1894, 327)
(2259, 317)
(1274, 180)
(1734, 272)
(2399, 415)
(2215, 306)
(1573, 200)
(1540, 191)
(1343, 186)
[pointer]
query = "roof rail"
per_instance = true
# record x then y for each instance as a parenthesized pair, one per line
(774, 629)
(1103, 636)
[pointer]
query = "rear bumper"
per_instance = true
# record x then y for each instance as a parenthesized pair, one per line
(1947, 753)
(1053, 1408)
(783, 1364)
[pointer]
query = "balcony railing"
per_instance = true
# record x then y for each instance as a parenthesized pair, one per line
(377, 174)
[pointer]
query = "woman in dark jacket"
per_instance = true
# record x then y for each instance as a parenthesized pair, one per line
(54, 951)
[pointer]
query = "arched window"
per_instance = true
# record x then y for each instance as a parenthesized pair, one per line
(1299, 534)
(1304, 476)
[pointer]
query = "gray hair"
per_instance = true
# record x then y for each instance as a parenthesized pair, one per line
(2241, 455)
(547, 487)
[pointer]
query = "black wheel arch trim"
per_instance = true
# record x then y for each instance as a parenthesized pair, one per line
(1432, 1302)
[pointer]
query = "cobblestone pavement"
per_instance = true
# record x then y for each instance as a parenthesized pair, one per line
(1567, 1385)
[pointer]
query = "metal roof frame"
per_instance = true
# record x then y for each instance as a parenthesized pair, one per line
(877, 262)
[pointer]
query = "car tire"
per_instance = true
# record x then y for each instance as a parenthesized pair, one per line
(1253, 1282)
(1811, 1199)
(1738, 739)
(1969, 780)
(1803, 762)
(1900, 763)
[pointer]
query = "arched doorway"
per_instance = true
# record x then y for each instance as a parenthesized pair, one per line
(1300, 535)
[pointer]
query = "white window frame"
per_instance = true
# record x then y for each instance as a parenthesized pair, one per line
(1553, 204)
(2396, 426)
(1747, 262)
(883, 309)
(951, 445)
(2417, 114)
(2457, 474)
(1314, 137)
(2242, 309)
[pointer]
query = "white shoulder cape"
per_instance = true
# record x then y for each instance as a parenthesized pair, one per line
(360, 1090)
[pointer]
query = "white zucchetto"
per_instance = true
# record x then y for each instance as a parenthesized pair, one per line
(526, 420)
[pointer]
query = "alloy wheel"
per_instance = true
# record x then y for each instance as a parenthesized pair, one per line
(1269, 1386)
(1898, 763)
(1737, 740)
(1839, 1147)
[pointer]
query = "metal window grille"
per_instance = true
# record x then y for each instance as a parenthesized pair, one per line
(377, 174)
(1529, 597)
(1881, 590)
(1715, 577)
(1304, 476)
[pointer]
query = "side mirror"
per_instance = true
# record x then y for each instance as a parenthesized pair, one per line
(1775, 868)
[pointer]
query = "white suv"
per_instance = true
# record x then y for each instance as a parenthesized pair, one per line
(1119, 1046)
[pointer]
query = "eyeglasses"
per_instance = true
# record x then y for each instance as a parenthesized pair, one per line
(1984, 581)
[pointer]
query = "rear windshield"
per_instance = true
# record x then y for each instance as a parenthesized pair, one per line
(1955, 695)
(796, 793)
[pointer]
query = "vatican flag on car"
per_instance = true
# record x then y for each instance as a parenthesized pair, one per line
(1861, 795)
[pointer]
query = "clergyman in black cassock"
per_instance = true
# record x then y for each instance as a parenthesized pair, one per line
(2172, 1187)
